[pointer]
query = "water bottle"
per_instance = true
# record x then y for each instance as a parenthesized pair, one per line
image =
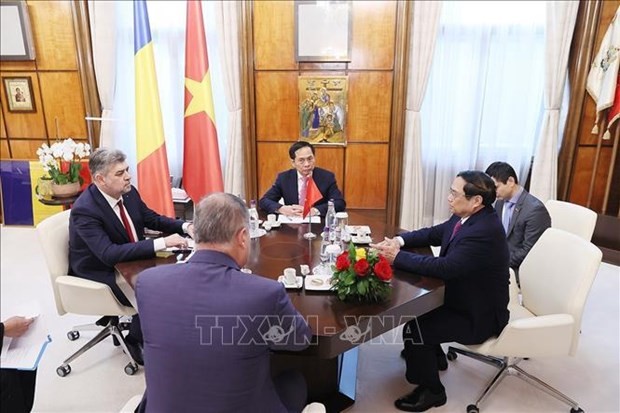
(253, 219)
(324, 243)
(332, 222)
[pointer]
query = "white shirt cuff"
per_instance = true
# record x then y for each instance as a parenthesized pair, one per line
(400, 240)
(185, 226)
(159, 244)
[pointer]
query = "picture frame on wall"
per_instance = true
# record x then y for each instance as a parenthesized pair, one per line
(323, 109)
(323, 31)
(16, 41)
(19, 94)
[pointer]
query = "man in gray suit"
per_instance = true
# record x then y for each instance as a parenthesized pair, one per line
(523, 215)
(209, 328)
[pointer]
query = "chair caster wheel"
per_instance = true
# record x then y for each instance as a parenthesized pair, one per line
(63, 370)
(577, 410)
(131, 369)
(451, 355)
(472, 408)
(73, 335)
(115, 341)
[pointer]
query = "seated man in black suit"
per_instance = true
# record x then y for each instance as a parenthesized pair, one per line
(290, 185)
(107, 227)
(16, 386)
(473, 263)
(523, 216)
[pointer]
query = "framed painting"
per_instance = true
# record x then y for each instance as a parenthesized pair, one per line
(323, 31)
(19, 94)
(323, 109)
(16, 41)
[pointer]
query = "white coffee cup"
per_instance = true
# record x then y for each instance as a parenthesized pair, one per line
(271, 218)
(290, 276)
(267, 226)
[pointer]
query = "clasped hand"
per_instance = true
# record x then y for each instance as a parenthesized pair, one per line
(295, 210)
(389, 248)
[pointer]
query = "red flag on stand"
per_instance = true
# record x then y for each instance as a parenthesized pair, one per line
(312, 195)
(202, 170)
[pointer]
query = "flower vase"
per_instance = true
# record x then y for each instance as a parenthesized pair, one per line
(66, 190)
(44, 188)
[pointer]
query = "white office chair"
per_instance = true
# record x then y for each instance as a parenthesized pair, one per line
(573, 218)
(556, 277)
(78, 295)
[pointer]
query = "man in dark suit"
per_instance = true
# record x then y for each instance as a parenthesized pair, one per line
(290, 185)
(107, 227)
(473, 263)
(524, 216)
(209, 328)
(16, 386)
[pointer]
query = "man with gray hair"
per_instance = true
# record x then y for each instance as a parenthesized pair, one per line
(209, 328)
(107, 227)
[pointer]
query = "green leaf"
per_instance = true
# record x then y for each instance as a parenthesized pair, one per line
(362, 287)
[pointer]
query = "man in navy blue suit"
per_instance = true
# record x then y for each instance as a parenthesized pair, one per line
(473, 263)
(289, 185)
(107, 227)
(209, 328)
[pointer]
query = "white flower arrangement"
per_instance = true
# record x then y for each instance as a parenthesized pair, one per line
(61, 160)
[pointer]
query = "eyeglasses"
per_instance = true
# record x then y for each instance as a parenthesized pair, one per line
(453, 194)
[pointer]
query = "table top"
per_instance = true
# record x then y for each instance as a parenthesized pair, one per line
(338, 326)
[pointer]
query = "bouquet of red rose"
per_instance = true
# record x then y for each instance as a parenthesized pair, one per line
(362, 274)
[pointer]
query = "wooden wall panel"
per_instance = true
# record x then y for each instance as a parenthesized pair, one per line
(366, 176)
(27, 65)
(25, 149)
(62, 94)
(374, 35)
(272, 158)
(274, 35)
(370, 106)
(54, 38)
(277, 99)
(24, 124)
(582, 175)
(2, 124)
(4, 149)
(332, 159)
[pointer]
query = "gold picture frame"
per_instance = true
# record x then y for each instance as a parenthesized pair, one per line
(323, 109)
(19, 94)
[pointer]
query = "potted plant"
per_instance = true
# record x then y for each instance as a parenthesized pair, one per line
(62, 163)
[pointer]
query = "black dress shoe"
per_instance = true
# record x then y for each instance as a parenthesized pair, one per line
(420, 400)
(135, 350)
(442, 362)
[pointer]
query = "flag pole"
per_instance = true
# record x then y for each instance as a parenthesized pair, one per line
(309, 234)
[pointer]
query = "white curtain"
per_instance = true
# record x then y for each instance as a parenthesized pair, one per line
(102, 15)
(421, 46)
(228, 15)
(167, 20)
(561, 17)
(484, 101)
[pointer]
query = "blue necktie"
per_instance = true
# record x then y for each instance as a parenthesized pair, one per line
(508, 205)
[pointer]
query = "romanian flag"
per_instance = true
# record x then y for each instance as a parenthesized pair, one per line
(153, 172)
(202, 170)
(312, 196)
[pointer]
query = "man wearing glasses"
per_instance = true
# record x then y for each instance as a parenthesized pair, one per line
(473, 263)
(291, 185)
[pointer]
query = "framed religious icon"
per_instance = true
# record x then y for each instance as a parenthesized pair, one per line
(323, 109)
(323, 31)
(19, 94)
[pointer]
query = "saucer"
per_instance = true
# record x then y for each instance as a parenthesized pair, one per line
(318, 282)
(357, 229)
(260, 233)
(298, 284)
(361, 240)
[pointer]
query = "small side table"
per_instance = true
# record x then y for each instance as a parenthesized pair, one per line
(53, 201)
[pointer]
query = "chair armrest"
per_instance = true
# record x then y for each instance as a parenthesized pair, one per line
(549, 335)
(82, 296)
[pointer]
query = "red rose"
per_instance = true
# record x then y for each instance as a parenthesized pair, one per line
(361, 267)
(342, 262)
(383, 270)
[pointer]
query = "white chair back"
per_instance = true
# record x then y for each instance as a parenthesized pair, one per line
(573, 218)
(54, 236)
(557, 274)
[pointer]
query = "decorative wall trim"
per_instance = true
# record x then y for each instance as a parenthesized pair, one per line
(248, 103)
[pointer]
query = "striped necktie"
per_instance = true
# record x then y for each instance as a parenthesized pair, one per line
(126, 221)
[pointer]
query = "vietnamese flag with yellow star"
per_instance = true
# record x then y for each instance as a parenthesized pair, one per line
(202, 170)
(153, 172)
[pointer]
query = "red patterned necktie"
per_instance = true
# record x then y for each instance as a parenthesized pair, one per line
(302, 193)
(126, 222)
(456, 229)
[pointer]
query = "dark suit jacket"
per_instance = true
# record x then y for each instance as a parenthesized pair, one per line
(473, 266)
(529, 220)
(17, 387)
(286, 187)
(98, 241)
(204, 325)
